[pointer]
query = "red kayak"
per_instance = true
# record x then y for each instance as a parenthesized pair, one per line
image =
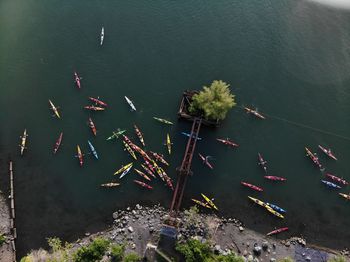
(77, 80)
(98, 101)
(227, 142)
(205, 161)
(94, 108)
(92, 126)
(328, 152)
(58, 143)
(159, 158)
(143, 184)
(276, 178)
(252, 186)
(313, 157)
(277, 231)
(262, 162)
(337, 179)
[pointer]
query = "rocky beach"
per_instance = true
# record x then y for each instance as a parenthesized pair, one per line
(6, 251)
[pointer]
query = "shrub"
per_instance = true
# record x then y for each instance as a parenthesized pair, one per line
(93, 252)
(286, 259)
(117, 252)
(132, 257)
(195, 251)
(229, 258)
(2, 239)
(337, 259)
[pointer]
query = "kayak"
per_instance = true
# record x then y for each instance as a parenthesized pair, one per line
(163, 120)
(23, 141)
(54, 109)
(262, 162)
(77, 80)
(168, 143)
(257, 201)
(143, 184)
(227, 142)
(92, 126)
(337, 179)
(98, 101)
(277, 208)
(345, 196)
(275, 178)
(80, 156)
(125, 172)
(94, 108)
(274, 212)
(254, 112)
(313, 157)
(58, 143)
(93, 150)
(330, 184)
(148, 171)
(159, 158)
(201, 203)
(205, 161)
(123, 168)
(139, 135)
(328, 152)
(277, 231)
(189, 135)
(252, 186)
(167, 180)
(128, 148)
(133, 108)
(102, 35)
(116, 134)
(111, 184)
(142, 174)
(210, 202)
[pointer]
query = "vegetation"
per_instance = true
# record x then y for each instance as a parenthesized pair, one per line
(286, 259)
(117, 252)
(337, 259)
(213, 101)
(192, 215)
(132, 257)
(92, 252)
(2, 239)
(196, 251)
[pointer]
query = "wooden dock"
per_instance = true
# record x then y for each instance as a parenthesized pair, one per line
(12, 211)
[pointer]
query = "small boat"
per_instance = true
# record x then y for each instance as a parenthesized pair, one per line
(254, 112)
(148, 171)
(94, 108)
(274, 212)
(159, 158)
(345, 196)
(330, 184)
(125, 172)
(277, 231)
(328, 152)
(205, 161)
(123, 168)
(139, 135)
(128, 148)
(98, 101)
(133, 108)
(257, 201)
(313, 157)
(227, 142)
(201, 203)
(168, 181)
(189, 135)
(77, 80)
(262, 162)
(163, 120)
(102, 35)
(23, 141)
(58, 143)
(252, 186)
(116, 134)
(92, 126)
(142, 174)
(275, 178)
(168, 143)
(111, 184)
(337, 179)
(142, 184)
(80, 156)
(277, 208)
(54, 109)
(210, 202)
(93, 150)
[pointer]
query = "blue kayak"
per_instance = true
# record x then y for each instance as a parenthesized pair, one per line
(187, 134)
(93, 150)
(276, 208)
(330, 184)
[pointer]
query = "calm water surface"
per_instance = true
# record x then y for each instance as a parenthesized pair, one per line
(290, 59)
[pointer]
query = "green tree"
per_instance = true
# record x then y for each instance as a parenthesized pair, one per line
(213, 101)
(195, 251)
(192, 215)
(93, 252)
(132, 257)
(117, 252)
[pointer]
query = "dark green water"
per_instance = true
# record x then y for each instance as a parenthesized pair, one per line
(291, 59)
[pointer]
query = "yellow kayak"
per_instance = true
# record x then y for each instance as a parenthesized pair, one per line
(123, 168)
(54, 109)
(257, 201)
(201, 203)
(128, 148)
(274, 212)
(168, 143)
(211, 203)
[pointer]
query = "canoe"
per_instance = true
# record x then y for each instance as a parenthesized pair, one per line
(227, 142)
(337, 179)
(23, 141)
(102, 35)
(143, 184)
(210, 202)
(80, 156)
(345, 196)
(201, 203)
(111, 184)
(328, 152)
(116, 134)
(142, 174)
(93, 150)
(277, 231)
(275, 178)
(139, 135)
(189, 135)
(122, 169)
(92, 126)
(98, 101)
(277, 208)
(275, 213)
(58, 143)
(257, 201)
(125, 172)
(163, 120)
(133, 108)
(330, 184)
(262, 162)
(159, 158)
(252, 186)
(77, 80)
(168, 143)
(313, 157)
(205, 161)
(128, 148)
(54, 109)
(94, 108)
(254, 112)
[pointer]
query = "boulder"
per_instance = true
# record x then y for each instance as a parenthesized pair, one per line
(130, 229)
(257, 250)
(265, 245)
(241, 229)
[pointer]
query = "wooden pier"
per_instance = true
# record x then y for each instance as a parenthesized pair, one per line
(12, 211)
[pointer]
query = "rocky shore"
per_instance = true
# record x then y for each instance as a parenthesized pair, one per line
(6, 253)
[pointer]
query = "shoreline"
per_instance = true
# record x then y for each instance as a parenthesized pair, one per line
(6, 251)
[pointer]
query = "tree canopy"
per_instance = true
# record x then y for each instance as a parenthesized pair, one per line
(213, 101)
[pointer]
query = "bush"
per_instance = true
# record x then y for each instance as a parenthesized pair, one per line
(2, 239)
(286, 259)
(132, 257)
(337, 259)
(93, 252)
(195, 251)
(229, 258)
(117, 252)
